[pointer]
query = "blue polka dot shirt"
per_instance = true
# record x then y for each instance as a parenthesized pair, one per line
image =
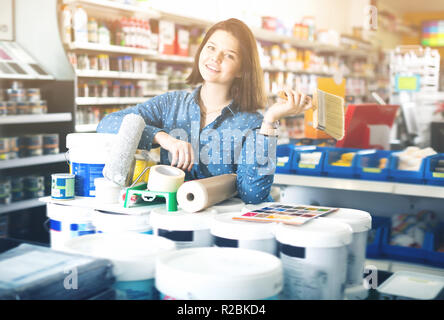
(230, 144)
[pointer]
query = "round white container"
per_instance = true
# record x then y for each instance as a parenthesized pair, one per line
(187, 230)
(67, 222)
(243, 234)
(314, 257)
(87, 154)
(229, 205)
(106, 191)
(106, 222)
(218, 273)
(361, 223)
(133, 256)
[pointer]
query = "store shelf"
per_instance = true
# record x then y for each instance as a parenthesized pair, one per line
(118, 6)
(82, 101)
(115, 75)
(360, 185)
(88, 46)
(299, 71)
(32, 161)
(172, 59)
(20, 205)
(36, 118)
(25, 77)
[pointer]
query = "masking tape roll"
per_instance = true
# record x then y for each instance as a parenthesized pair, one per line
(200, 194)
(164, 178)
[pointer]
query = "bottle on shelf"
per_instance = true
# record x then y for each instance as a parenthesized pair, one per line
(93, 30)
(80, 23)
(66, 24)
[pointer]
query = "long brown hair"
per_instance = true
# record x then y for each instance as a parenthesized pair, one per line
(248, 91)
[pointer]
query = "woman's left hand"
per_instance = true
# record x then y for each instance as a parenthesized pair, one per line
(294, 104)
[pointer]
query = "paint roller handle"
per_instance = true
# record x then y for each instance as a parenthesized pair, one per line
(181, 151)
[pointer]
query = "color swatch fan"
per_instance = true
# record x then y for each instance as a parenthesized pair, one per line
(329, 114)
(288, 214)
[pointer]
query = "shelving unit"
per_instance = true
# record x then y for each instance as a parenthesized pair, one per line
(20, 205)
(36, 118)
(360, 185)
(32, 161)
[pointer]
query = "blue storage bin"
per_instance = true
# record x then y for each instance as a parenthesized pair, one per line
(431, 177)
(405, 176)
(307, 169)
(434, 241)
(375, 237)
(407, 254)
(334, 154)
(284, 153)
(367, 164)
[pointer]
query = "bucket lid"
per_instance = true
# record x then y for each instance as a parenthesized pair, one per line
(181, 220)
(61, 212)
(229, 205)
(219, 273)
(224, 226)
(90, 140)
(118, 221)
(132, 254)
(358, 220)
(325, 233)
(413, 285)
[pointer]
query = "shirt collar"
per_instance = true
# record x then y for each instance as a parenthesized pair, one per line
(232, 107)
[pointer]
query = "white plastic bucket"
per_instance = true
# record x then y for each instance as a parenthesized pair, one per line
(107, 222)
(133, 256)
(187, 230)
(243, 234)
(314, 257)
(361, 223)
(229, 205)
(218, 273)
(67, 222)
(87, 155)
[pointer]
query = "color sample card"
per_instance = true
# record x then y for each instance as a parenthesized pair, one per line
(289, 214)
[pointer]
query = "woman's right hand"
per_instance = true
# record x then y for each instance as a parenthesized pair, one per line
(181, 151)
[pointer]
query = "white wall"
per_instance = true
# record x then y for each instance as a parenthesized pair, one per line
(340, 15)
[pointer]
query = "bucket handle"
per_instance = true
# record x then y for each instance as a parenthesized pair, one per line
(45, 225)
(67, 158)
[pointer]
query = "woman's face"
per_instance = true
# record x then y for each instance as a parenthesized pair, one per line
(220, 60)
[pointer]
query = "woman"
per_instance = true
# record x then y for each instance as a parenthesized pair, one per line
(216, 129)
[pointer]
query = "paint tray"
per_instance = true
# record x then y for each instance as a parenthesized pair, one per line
(30, 272)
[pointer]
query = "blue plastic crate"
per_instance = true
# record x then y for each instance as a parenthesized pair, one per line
(375, 237)
(407, 254)
(431, 177)
(405, 176)
(284, 154)
(434, 240)
(307, 169)
(334, 154)
(367, 164)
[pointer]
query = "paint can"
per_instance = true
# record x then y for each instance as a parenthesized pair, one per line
(133, 256)
(51, 143)
(62, 186)
(11, 108)
(361, 223)
(218, 274)
(87, 155)
(3, 109)
(243, 234)
(5, 191)
(17, 189)
(67, 222)
(108, 222)
(187, 230)
(314, 257)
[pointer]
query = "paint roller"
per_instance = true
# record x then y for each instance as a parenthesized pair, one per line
(120, 161)
(197, 195)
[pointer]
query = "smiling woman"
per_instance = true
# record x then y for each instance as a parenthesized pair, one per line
(217, 129)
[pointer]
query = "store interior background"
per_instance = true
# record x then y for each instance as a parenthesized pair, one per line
(399, 23)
